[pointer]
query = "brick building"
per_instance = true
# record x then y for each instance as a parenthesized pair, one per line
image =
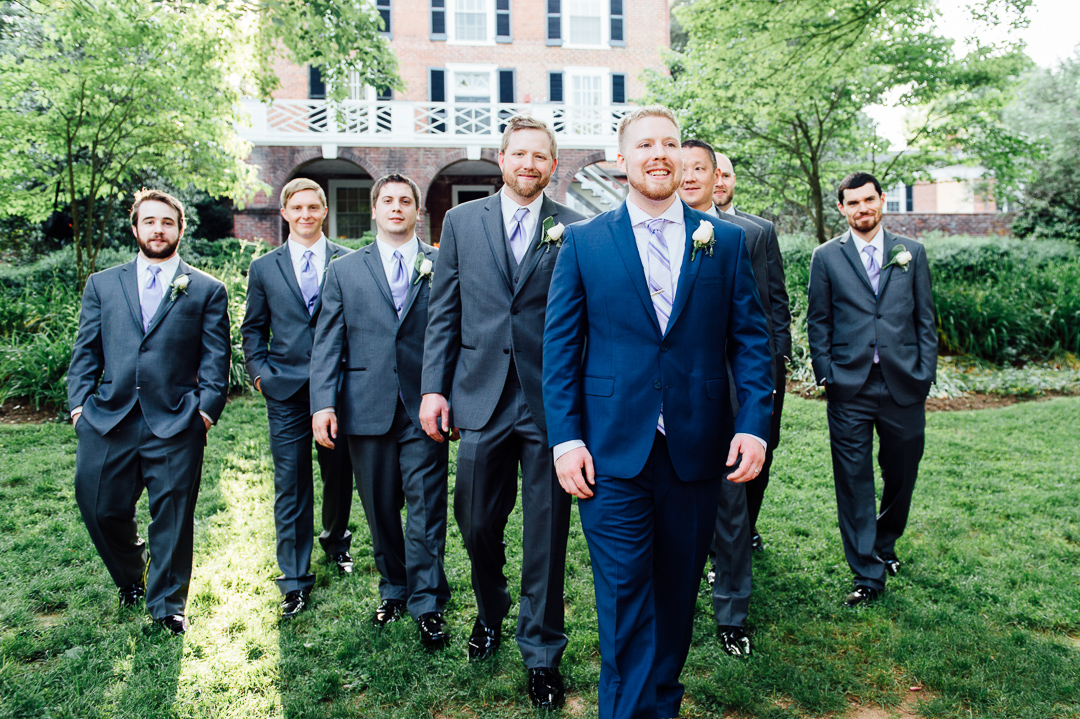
(955, 201)
(467, 66)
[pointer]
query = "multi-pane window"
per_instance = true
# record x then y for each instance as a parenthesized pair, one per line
(586, 90)
(470, 20)
(894, 199)
(350, 206)
(585, 22)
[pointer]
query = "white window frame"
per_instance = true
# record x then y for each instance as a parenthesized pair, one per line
(604, 73)
(451, 25)
(456, 191)
(331, 201)
(898, 195)
(605, 26)
(453, 69)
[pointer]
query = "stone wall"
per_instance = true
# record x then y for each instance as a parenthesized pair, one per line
(917, 224)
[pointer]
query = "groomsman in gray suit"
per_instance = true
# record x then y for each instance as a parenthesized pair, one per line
(484, 351)
(284, 298)
(730, 576)
(374, 316)
(873, 343)
(149, 375)
(779, 315)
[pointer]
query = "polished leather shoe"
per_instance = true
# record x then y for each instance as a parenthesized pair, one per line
(131, 594)
(294, 602)
(862, 595)
(546, 688)
(484, 641)
(756, 543)
(892, 564)
(734, 641)
(175, 623)
(434, 634)
(388, 611)
(344, 562)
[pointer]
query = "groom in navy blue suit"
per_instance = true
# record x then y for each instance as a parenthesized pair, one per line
(646, 302)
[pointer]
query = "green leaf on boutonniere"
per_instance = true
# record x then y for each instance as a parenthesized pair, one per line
(899, 257)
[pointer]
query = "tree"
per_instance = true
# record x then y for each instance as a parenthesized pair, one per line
(96, 94)
(1048, 111)
(782, 85)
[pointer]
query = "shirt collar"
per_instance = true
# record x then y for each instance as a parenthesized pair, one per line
(408, 251)
(168, 267)
(297, 250)
(730, 210)
(509, 207)
(878, 241)
(714, 211)
(673, 214)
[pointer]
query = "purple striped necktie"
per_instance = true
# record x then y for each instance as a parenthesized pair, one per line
(518, 242)
(660, 284)
(399, 283)
(309, 281)
(151, 298)
(874, 272)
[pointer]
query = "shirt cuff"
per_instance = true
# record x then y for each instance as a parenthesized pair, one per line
(325, 409)
(764, 444)
(76, 411)
(563, 447)
(204, 414)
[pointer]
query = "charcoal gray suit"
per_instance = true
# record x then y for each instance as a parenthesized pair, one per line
(378, 418)
(277, 333)
(141, 394)
(845, 323)
(484, 351)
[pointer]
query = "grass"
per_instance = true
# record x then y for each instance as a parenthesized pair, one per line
(985, 615)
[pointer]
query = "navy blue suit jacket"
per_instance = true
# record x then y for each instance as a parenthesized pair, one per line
(607, 368)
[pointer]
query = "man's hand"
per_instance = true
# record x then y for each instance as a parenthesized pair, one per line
(324, 427)
(576, 473)
(207, 422)
(258, 385)
(753, 457)
(75, 419)
(435, 417)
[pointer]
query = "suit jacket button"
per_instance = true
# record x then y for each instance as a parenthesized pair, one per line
(657, 385)
(663, 348)
(143, 349)
(873, 343)
(879, 317)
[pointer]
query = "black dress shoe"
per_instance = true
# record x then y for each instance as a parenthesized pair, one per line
(862, 595)
(546, 688)
(756, 543)
(484, 641)
(434, 633)
(344, 562)
(892, 564)
(175, 623)
(389, 610)
(294, 602)
(735, 641)
(131, 594)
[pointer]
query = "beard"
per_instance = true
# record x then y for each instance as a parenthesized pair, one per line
(655, 188)
(162, 254)
(865, 223)
(528, 188)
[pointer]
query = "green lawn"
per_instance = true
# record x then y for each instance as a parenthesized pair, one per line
(985, 617)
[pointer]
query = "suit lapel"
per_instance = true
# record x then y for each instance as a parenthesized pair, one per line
(284, 263)
(534, 252)
(332, 253)
(889, 244)
(493, 227)
(414, 286)
(166, 301)
(373, 260)
(688, 271)
(849, 246)
(129, 282)
(622, 234)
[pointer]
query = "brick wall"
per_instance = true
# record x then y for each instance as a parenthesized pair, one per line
(916, 225)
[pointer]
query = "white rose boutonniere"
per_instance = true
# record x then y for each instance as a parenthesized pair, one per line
(424, 269)
(179, 284)
(552, 234)
(703, 239)
(899, 257)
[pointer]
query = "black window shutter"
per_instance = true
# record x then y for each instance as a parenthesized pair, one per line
(506, 86)
(383, 6)
(316, 86)
(438, 19)
(502, 21)
(618, 88)
(384, 93)
(555, 89)
(909, 192)
(617, 23)
(437, 84)
(554, 24)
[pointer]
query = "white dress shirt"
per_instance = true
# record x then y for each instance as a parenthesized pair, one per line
(296, 254)
(528, 225)
(877, 242)
(408, 251)
(165, 277)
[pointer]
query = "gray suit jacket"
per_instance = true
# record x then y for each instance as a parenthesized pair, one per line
(277, 331)
(480, 318)
(845, 321)
(779, 307)
(178, 367)
(383, 355)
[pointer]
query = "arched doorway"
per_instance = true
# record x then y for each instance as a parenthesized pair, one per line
(348, 188)
(457, 183)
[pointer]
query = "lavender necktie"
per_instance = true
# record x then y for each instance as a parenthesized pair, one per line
(151, 297)
(399, 283)
(660, 284)
(518, 241)
(309, 281)
(874, 272)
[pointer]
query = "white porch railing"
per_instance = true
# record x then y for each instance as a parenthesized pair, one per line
(421, 124)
